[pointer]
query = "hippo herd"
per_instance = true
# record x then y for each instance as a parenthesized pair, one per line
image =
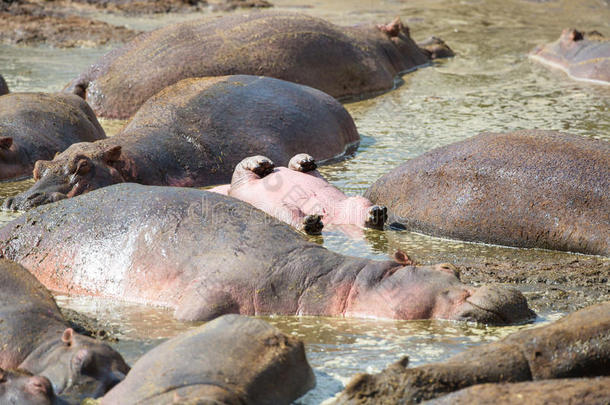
(250, 104)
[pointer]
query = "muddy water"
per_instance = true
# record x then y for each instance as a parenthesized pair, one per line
(490, 86)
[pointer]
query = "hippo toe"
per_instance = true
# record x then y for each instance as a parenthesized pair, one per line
(259, 165)
(302, 163)
(378, 214)
(312, 224)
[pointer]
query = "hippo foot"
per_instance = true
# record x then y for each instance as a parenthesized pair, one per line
(259, 165)
(302, 163)
(378, 214)
(312, 224)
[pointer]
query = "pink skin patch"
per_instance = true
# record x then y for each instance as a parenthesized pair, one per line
(290, 195)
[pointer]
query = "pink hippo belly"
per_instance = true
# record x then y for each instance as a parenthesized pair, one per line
(289, 195)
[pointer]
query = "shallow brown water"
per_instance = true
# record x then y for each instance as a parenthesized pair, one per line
(490, 86)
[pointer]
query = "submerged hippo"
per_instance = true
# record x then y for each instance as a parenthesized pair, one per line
(577, 345)
(194, 133)
(35, 337)
(299, 195)
(205, 254)
(19, 387)
(231, 360)
(592, 391)
(584, 57)
(540, 189)
(341, 61)
(3, 86)
(36, 126)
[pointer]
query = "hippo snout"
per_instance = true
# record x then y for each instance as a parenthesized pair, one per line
(494, 304)
(26, 201)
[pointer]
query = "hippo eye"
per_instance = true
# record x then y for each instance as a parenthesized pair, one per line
(83, 167)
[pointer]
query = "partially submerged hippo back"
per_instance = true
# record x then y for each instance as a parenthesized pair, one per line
(205, 254)
(582, 56)
(577, 345)
(527, 189)
(36, 126)
(295, 47)
(231, 360)
(35, 337)
(194, 133)
(3, 86)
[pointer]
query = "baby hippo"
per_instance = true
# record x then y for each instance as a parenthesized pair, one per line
(22, 388)
(299, 195)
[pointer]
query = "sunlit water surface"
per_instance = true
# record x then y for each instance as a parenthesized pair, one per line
(490, 86)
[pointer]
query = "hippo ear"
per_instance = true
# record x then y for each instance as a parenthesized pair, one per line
(39, 168)
(68, 336)
(401, 257)
(6, 142)
(112, 154)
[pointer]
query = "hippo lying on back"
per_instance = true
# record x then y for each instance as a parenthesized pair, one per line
(527, 189)
(3, 86)
(205, 254)
(298, 195)
(36, 126)
(341, 61)
(231, 360)
(582, 56)
(194, 133)
(35, 337)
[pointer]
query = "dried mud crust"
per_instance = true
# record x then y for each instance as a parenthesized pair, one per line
(34, 22)
(565, 285)
(88, 326)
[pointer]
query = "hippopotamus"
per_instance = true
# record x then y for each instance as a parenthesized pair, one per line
(22, 388)
(299, 195)
(36, 126)
(575, 346)
(195, 132)
(340, 61)
(584, 57)
(3, 86)
(35, 337)
(593, 391)
(204, 255)
(230, 360)
(533, 189)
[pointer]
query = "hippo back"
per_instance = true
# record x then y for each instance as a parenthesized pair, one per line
(27, 313)
(200, 129)
(293, 47)
(527, 189)
(232, 359)
(149, 244)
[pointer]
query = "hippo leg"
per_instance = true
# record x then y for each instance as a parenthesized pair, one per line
(302, 163)
(378, 214)
(201, 303)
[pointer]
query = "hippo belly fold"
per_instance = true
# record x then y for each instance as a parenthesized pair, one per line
(533, 189)
(340, 61)
(204, 254)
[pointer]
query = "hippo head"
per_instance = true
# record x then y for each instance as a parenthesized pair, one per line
(80, 168)
(403, 52)
(23, 388)
(404, 291)
(78, 363)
